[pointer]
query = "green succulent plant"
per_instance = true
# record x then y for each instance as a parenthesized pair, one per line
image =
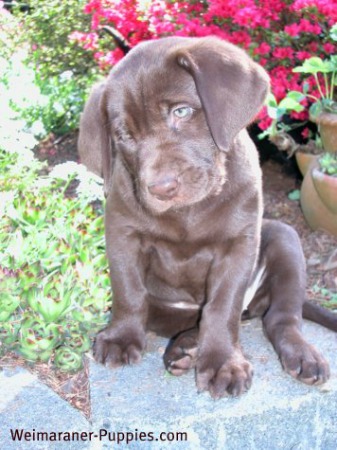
(67, 359)
(38, 339)
(54, 283)
(328, 163)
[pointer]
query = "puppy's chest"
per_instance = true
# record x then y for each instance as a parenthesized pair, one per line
(177, 272)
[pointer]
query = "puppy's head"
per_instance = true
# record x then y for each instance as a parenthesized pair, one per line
(171, 110)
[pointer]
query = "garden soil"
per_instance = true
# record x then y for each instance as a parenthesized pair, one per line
(320, 250)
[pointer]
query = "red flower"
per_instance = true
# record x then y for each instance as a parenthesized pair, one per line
(302, 55)
(329, 48)
(279, 34)
(262, 49)
(283, 53)
(306, 133)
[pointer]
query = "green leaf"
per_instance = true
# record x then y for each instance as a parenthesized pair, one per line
(9, 332)
(271, 100)
(315, 109)
(333, 32)
(273, 113)
(37, 340)
(67, 359)
(296, 96)
(314, 65)
(290, 104)
(333, 60)
(78, 342)
(8, 305)
(294, 195)
(306, 87)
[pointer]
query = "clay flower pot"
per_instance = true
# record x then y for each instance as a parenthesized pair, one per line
(326, 188)
(319, 199)
(304, 161)
(327, 126)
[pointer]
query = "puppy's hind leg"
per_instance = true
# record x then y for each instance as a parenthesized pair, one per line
(285, 285)
(181, 353)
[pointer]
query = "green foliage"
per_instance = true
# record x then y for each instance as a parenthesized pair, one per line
(9, 33)
(46, 27)
(294, 195)
(53, 272)
(333, 32)
(58, 106)
(277, 111)
(327, 69)
(51, 81)
(328, 163)
(293, 101)
(328, 296)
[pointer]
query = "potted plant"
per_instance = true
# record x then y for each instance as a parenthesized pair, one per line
(280, 130)
(319, 194)
(319, 187)
(323, 108)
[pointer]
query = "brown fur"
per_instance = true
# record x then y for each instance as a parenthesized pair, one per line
(184, 231)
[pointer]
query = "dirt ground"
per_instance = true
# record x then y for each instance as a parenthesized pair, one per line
(320, 250)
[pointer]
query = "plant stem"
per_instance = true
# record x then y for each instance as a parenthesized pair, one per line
(332, 85)
(318, 85)
(327, 93)
(313, 97)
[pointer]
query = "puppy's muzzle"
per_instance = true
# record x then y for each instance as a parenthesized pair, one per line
(164, 188)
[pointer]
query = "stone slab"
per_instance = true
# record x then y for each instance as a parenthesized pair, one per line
(28, 405)
(277, 413)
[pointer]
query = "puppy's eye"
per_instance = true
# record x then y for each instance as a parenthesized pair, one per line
(183, 112)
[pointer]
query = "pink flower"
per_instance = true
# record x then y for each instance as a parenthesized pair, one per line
(240, 38)
(306, 133)
(313, 47)
(263, 61)
(301, 116)
(303, 26)
(329, 48)
(293, 29)
(302, 55)
(283, 53)
(279, 34)
(265, 123)
(262, 49)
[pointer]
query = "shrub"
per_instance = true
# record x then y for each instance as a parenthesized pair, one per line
(9, 33)
(60, 73)
(45, 28)
(56, 108)
(279, 34)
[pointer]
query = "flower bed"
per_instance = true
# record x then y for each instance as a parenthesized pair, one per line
(279, 34)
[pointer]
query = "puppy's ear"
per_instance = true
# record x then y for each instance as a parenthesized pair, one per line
(232, 88)
(94, 141)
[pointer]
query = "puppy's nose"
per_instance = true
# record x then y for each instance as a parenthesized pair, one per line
(164, 188)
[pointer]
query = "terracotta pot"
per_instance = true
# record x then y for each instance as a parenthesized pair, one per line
(327, 126)
(319, 199)
(326, 187)
(304, 160)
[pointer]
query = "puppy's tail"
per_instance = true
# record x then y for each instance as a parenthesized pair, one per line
(320, 315)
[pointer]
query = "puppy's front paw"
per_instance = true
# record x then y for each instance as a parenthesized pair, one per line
(305, 363)
(220, 375)
(115, 349)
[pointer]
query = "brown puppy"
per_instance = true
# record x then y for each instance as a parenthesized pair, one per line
(187, 247)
